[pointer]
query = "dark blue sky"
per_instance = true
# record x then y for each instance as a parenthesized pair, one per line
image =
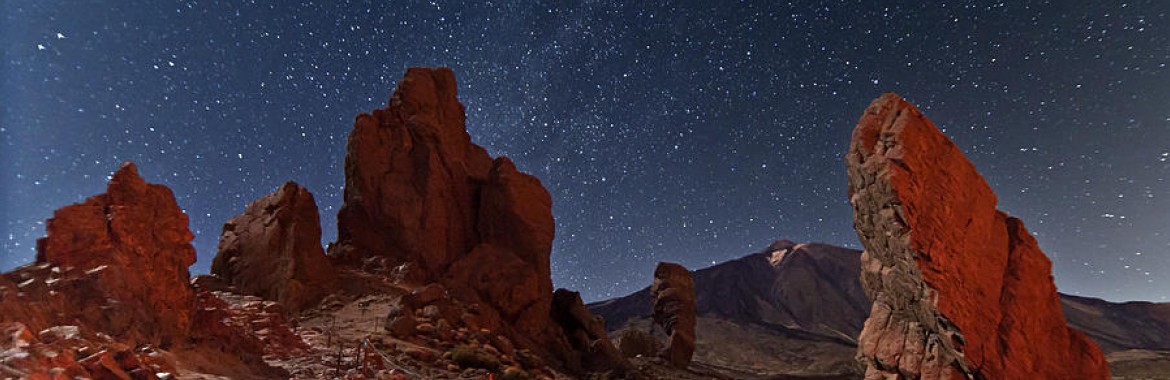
(687, 132)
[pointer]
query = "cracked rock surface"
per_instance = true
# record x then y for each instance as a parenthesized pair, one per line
(960, 290)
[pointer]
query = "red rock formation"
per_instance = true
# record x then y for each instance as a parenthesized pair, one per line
(273, 250)
(420, 196)
(412, 177)
(673, 305)
(116, 263)
(959, 289)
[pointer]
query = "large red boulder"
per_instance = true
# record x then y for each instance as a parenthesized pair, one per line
(273, 250)
(116, 263)
(959, 289)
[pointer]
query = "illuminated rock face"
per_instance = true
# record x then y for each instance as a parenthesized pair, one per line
(273, 250)
(116, 263)
(959, 289)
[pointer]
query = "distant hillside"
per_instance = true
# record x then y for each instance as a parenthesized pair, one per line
(796, 310)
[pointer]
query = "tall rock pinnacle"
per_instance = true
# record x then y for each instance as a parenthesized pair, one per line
(412, 177)
(960, 290)
(673, 306)
(420, 194)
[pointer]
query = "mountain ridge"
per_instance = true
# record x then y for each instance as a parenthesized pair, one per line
(737, 295)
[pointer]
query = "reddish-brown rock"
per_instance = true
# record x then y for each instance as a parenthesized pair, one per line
(412, 177)
(673, 306)
(959, 289)
(273, 250)
(70, 352)
(420, 196)
(116, 264)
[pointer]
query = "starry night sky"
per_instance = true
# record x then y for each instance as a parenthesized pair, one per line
(693, 132)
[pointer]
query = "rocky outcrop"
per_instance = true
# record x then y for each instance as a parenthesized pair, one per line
(959, 289)
(420, 197)
(116, 264)
(673, 293)
(412, 178)
(273, 250)
(586, 333)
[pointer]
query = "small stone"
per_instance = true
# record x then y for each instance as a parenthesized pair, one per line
(431, 311)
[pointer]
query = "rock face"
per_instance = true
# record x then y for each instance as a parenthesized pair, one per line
(959, 289)
(421, 197)
(116, 263)
(412, 178)
(273, 250)
(673, 308)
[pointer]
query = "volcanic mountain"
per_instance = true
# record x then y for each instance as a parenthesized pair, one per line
(792, 309)
(795, 311)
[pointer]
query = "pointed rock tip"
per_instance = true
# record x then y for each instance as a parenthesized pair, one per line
(669, 267)
(504, 164)
(127, 169)
(126, 175)
(290, 186)
(415, 82)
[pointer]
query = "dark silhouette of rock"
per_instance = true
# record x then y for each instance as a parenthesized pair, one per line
(420, 197)
(673, 308)
(586, 333)
(116, 264)
(959, 289)
(273, 250)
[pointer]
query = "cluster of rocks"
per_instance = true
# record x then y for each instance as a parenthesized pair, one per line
(233, 320)
(68, 352)
(114, 270)
(420, 195)
(429, 326)
(959, 289)
(420, 198)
